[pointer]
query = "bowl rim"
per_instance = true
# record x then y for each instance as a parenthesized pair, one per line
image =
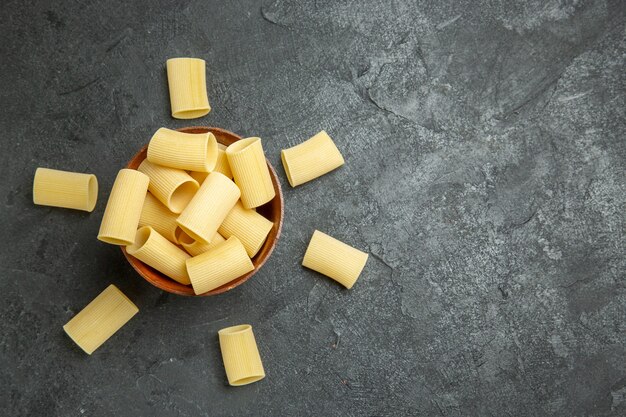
(159, 280)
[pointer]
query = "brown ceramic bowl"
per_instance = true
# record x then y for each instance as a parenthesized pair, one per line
(272, 210)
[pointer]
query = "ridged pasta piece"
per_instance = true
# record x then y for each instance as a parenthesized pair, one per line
(249, 167)
(156, 251)
(189, 151)
(186, 78)
(311, 159)
(123, 210)
(220, 166)
(248, 226)
(240, 354)
(222, 161)
(100, 319)
(172, 187)
(156, 215)
(66, 189)
(195, 247)
(219, 266)
(199, 176)
(334, 259)
(209, 207)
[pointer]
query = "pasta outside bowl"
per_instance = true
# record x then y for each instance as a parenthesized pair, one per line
(273, 210)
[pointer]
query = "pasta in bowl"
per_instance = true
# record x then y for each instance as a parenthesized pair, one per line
(252, 231)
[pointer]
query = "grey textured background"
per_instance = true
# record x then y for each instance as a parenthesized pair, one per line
(485, 153)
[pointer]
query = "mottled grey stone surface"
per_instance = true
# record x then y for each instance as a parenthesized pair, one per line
(485, 154)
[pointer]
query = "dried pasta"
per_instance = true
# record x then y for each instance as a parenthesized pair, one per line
(172, 187)
(196, 247)
(222, 161)
(221, 166)
(249, 167)
(199, 176)
(311, 159)
(248, 226)
(156, 215)
(153, 249)
(240, 354)
(73, 190)
(189, 151)
(123, 210)
(186, 79)
(209, 207)
(100, 319)
(219, 266)
(334, 259)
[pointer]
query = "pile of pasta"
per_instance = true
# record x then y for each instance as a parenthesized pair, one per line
(189, 211)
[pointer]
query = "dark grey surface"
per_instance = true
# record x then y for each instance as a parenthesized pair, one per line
(485, 152)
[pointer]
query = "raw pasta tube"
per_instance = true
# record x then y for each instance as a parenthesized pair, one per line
(222, 161)
(240, 354)
(100, 319)
(248, 226)
(199, 176)
(186, 78)
(195, 247)
(219, 266)
(73, 190)
(220, 166)
(209, 207)
(334, 259)
(156, 215)
(311, 159)
(172, 187)
(153, 249)
(249, 168)
(123, 210)
(190, 151)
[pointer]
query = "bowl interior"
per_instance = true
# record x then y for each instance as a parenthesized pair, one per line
(272, 210)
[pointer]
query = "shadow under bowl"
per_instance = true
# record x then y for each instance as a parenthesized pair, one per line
(273, 210)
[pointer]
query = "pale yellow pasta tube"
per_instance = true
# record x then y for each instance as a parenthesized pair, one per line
(248, 226)
(189, 151)
(219, 266)
(195, 247)
(222, 161)
(100, 319)
(240, 354)
(73, 190)
(156, 215)
(311, 159)
(186, 78)
(220, 166)
(154, 250)
(209, 207)
(199, 176)
(249, 167)
(172, 187)
(334, 259)
(123, 209)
